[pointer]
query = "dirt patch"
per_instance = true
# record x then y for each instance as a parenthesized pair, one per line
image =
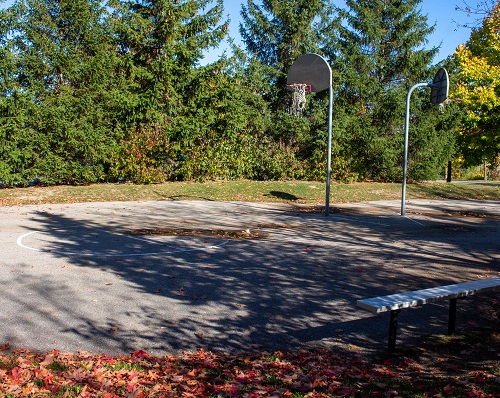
(224, 234)
(317, 209)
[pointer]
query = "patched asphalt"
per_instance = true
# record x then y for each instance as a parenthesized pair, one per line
(78, 277)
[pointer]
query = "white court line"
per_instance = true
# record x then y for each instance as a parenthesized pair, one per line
(347, 218)
(20, 243)
(415, 221)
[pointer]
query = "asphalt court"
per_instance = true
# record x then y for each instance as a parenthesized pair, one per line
(78, 277)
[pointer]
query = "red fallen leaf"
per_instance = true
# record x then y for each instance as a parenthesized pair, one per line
(5, 347)
(133, 375)
(140, 354)
(15, 373)
(49, 379)
(448, 389)
(241, 378)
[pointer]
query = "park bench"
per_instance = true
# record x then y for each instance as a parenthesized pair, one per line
(396, 302)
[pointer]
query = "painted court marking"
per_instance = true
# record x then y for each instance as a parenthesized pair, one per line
(30, 241)
(21, 242)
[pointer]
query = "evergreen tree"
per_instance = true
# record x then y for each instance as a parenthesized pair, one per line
(233, 142)
(275, 34)
(378, 53)
(278, 32)
(12, 101)
(60, 87)
(160, 45)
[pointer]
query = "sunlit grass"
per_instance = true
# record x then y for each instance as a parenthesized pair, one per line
(299, 192)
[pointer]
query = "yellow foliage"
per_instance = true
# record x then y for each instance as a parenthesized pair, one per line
(479, 67)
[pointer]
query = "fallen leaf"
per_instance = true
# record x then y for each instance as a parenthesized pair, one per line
(5, 347)
(448, 389)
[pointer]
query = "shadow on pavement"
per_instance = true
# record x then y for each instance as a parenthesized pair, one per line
(103, 290)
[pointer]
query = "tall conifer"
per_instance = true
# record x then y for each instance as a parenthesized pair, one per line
(378, 53)
(63, 57)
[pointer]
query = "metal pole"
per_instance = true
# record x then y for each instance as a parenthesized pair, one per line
(393, 329)
(407, 127)
(452, 316)
(329, 160)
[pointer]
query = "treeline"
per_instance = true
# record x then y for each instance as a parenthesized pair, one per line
(95, 91)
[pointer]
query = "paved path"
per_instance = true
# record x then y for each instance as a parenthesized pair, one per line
(73, 278)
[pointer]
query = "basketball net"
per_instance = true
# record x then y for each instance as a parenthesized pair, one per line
(298, 97)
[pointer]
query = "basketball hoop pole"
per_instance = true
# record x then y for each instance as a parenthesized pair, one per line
(439, 94)
(313, 71)
(329, 158)
(407, 127)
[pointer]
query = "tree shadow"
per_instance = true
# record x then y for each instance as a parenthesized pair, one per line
(100, 289)
(283, 196)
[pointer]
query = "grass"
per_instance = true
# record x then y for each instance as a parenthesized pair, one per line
(300, 192)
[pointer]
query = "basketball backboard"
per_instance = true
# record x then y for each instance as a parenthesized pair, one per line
(440, 87)
(311, 69)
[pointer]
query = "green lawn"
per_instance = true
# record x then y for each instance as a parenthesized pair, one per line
(304, 192)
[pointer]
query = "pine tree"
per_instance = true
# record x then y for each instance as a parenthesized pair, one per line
(378, 53)
(278, 32)
(62, 86)
(160, 45)
(275, 34)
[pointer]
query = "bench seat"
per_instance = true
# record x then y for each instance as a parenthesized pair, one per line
(396, 302)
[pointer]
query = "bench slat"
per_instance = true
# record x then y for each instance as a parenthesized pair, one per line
(419, 297)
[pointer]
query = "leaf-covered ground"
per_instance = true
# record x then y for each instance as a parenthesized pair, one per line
(320, 373)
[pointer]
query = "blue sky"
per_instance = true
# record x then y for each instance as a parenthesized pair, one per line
(439, 12)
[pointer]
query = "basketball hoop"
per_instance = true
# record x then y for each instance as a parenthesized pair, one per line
(310, 73)
(298, 97)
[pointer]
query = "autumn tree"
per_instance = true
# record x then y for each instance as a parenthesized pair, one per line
(478, 63)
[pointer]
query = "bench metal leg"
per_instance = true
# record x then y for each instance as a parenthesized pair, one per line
(452, 316)
(393, 329)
